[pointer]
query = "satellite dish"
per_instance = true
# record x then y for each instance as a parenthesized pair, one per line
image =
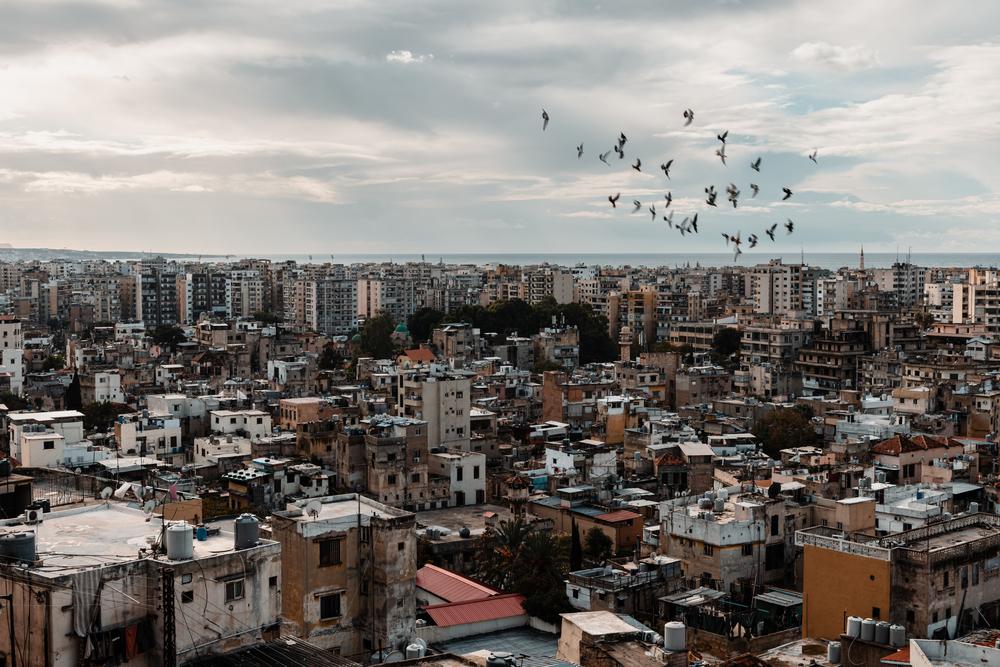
(78, 471)
(106, 492)
(313, 508)
(148, 506)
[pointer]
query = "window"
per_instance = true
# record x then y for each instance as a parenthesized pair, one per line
(748, 550)
(392, 479)
(400, 546)
(946, 579)
(475, 472)
(49, 444)
(260, 420)
(272, 582)
(460, 394)
(934, 617)
(329, 606)
(329, 552)
(707, 549)
(774, 525)
(911, 617)
(234, 590)
(187, 596)
(576, 593)
(876, 613)
(460, 431)
(186, 578)
(458, 473)
(415, 477)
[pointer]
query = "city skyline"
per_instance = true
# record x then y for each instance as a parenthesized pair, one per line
(395, 128)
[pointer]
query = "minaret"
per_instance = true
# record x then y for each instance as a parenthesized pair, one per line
(861, 264)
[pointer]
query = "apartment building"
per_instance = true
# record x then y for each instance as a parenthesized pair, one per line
(440, 398)
(783, 289)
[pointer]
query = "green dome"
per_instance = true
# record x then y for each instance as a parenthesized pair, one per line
(356, 338)
(401, 328)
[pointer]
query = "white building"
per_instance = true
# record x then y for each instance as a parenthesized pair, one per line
(253, 424)
(146, 434)
(227, 452)
(108, 387)
(46, 439)
(466, 472)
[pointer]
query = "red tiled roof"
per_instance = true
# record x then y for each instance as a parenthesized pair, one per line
(669, 459)
(618, 515)
(899, 444)
(449, 586)
(421, 354)
(900, 657)
(476, 611)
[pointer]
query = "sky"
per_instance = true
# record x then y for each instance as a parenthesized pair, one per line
(350, 126)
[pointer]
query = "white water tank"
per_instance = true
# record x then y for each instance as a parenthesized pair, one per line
(868, 630)
(897, 636)
(674, 636)
(723, 494)
(833, 653)
(973, 507)
(882, 633)
(180, 541)
(414, 651)
(720, 505)
(853, 627)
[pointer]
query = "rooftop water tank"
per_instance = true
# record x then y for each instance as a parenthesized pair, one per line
(247, 530)
(868, 630)
(720, 505)
(5, 467)
(180, 541)
(723, 494)
(853, 627)
(833, 653)
(704, 504)
(17, 547)
(414, 651)
(882, 632)
(897, 636)
(973, 507)
(674, 636)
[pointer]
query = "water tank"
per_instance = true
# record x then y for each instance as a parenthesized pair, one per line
(704, 504)
(720, 505)
(946, 516)
(499, 659)
(414, 651)
(17, 547)
(465, 532)
(853, 627)
(897, 636)
(180, 541)
(973, 507)
(674, 636)
(5, 467)
(247, 530)
(868, 630)
(880, 477)
(201, 533)
(710, 495)
(833, 653)
(723, 494)
(882, 632)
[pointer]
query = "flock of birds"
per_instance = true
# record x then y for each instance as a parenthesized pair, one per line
(689, 225)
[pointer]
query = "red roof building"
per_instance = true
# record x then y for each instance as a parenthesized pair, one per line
(449, 586)
(493, 608)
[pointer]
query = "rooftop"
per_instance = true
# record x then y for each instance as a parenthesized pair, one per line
(599, 623)
(450, 586)
(476, 611)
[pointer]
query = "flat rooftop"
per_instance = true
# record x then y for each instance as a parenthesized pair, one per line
(598, 623)
(339, 507)
(472, 517)
(538, 647)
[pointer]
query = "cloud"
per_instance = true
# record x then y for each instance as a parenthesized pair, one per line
(832, 55)
(405, 57)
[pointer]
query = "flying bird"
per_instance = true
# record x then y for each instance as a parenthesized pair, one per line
(722, 137)
(545, 119)
(770, 230)
(734, 193)
(694, 223)
(579, 151)
(752, 239)
(638, 164)
(614, 200)
(682, 228)
(688, 117)
(755, 188)
(669, 219)
(652, 212)
(622, 139)
(726, 236)
(666, 168)
(721, 152)
(669, 197)
(710, 191)
(755, 165)
(618, 149)
(603, 157)
(812, 156)
(788, 193)
(637, 204)
(790, 226)
(737, 254)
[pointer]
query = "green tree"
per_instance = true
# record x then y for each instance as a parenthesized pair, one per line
(576, 550)
(596, 545)
(13, 401)
(53, 362)
(784, 428)
(422, 323)
(267, 317)
(102, 416)
(74, 397)
(168, 335)
(330, 359)
(376, 337)
(726, 343)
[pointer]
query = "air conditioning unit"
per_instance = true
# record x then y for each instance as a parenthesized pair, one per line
(33, 516)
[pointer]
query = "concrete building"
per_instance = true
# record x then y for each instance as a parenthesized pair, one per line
(783, 289)
(702, 384)
(102, 387)
(49, 439)
(443, 400)
(466, 472)
(349, 571)
(147, 434)
(254, 424)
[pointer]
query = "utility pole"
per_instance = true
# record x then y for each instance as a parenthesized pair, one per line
(10, 626)
(169, 643)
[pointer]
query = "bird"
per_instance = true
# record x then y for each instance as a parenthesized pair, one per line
(752, 239)
(790, 226)
(652, 212)
(666, 168)
(737, 254)
(721, 152)
(682, 228)
(669, 219)
(614, 200)
(694, 223)
(669, 197)
(622, 139)
(735, 238)
(734, 193)
(637, 204)
(755, 188)
(579, 151)
(618, 149)
(638, 164)
(603, 157)
(688, 117)
(726, 236)
(755, 165)
(812, 156)
(722, 137)
(788, 193)
(770, 230)
(710, 191)
(545, 119)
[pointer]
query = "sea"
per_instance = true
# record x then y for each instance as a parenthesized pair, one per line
(831, 260)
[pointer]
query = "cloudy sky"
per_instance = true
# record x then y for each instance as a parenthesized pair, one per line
(400, 126)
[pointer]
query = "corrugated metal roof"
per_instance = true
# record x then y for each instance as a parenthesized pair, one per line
(618, 515)
(450, 586)
(476, 611)
(780, 598)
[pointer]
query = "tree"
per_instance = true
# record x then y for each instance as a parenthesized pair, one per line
(53, 362)
(376, 336)
(13, 401)
(546, 365)
(74, 397)
(102, 416)
(330, 359)
(423, 322)
(576, 550)
(266, 317)
(168, 335)
(784, 428)
(597, 545)
(726, 343)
